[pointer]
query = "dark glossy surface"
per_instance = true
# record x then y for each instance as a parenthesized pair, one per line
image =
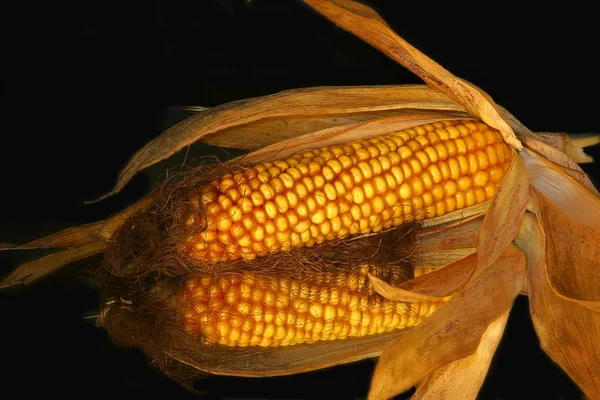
(84, 86)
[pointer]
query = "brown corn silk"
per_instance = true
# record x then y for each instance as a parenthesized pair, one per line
(194, 300)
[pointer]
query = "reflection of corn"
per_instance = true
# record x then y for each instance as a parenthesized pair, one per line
(247, 311)
(359, 187)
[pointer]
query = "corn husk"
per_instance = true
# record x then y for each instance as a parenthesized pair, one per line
(546, 205)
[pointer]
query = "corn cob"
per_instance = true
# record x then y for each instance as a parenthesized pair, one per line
(246, 310)
(356, 188)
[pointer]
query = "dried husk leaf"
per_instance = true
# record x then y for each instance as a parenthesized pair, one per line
(568, 331)
(572, 255)
(533, 142)
(504, 217)
(437, 284)
(453, 331)
(563, 191)
(570, 218)
(44, 266)
(438, 248)
(365, 23)
(234, 124)
(563, 162)
(571, 145)
(74, 236)
(462, 379)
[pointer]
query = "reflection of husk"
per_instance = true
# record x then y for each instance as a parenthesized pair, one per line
(546, 205)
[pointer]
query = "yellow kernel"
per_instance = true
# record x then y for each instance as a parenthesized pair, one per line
(427, 199)
(473, 165)
(496, 174)
(271, 209)
(335, 166)
(267, 190)
(302, 209)
(427, 180)
(406, 170)
(417, 185)
(480, 179)
(358, 195)
(438, 192)
(471, 144)
(325, 228)
(362, 154)
(503, 152)
(415, 165)
(490, 190)
(379, 185)
(336, 224)
(390, 198)
(461, 146)
(366, 209)
(450, 188)
(270, 227)
(301, 226)
(394, 158)
(452, 149)
(355, 212)
(398, 175)
(405, 191)
(346, 162)
(330, 191)
(460, 200)
(225, 202)
(312, 204)
(431, 153)
(453, 132)
(440, 208)
(301, 190)
(281, 223)
(454, 168)
(479, 194)
(257, 198)
(309, 183)
(295, 173)
(450, 203)
(445, 170)
(423, 158)
(482, 159)
(470, 198)
(281, 203)
(378, 204)
(331, 210)
(224, 222)
(492, 156)
(373, 151)
(405, 152)
(319, 181)
(357, 176)
(463, 183)
(441, 151)
(385, 162)
(376, 166)
(365, 169)
(436, 174)
(318, 216)
(479, 138)
(463, 162)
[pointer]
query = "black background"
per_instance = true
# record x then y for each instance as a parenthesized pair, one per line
(84, 86)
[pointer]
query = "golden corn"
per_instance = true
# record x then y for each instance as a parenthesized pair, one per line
(356, 188)
(244, 310)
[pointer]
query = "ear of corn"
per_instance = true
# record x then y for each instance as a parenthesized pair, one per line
(246, 310)
(356, 188)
